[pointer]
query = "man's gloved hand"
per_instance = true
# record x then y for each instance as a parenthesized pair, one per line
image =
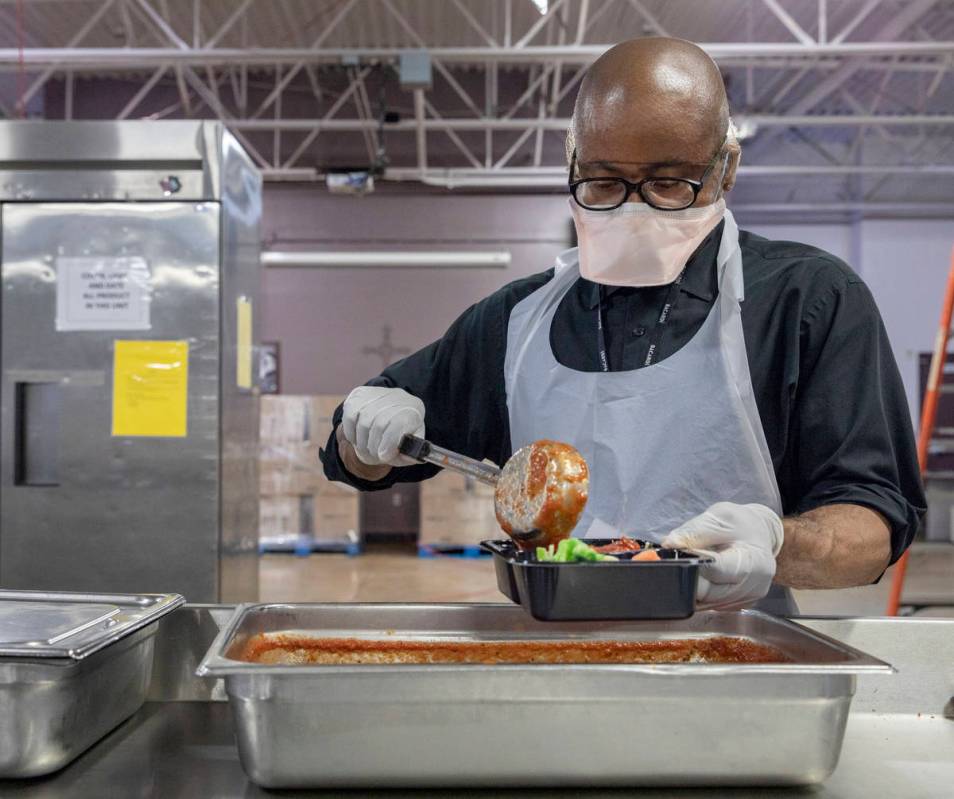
(744, 539)
(375, 420)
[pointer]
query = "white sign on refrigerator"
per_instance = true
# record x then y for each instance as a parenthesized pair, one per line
(102, 293)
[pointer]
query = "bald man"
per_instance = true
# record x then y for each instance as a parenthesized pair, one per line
(729, 393)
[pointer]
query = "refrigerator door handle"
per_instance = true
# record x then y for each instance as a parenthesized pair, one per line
(37, 409)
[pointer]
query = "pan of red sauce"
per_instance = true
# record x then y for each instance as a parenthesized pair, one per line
(420, 696)
(290, 649)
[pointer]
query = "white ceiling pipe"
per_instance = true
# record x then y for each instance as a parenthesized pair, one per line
(756, 170)
(944, 209)
(547, 177)
(113, 57)
(561, 124)
(376, 259)
(291, 174)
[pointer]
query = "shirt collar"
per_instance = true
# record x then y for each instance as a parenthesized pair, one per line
(696, 281)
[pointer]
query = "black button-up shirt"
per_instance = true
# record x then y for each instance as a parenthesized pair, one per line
(826, 384)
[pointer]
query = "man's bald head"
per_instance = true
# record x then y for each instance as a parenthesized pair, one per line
(651, 101)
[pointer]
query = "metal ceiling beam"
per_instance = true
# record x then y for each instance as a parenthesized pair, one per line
(538, 25)
(745, 170)
(69, 96)
(227, 25)
(459, 90)
(457, 141)
(140, 95)
(216, 41)
(512, 150)
(926, 64)
(128, 23)
(556, 177)
(162, 24)
(198, 33)
(910, 14)
(314, 130)
(81, 34)
(581, 21)
(648, 18)
(901, 22)
(146, 57)
(562, 123)
(363, 102)
(8, 22)
(328, 29)
(788, 21)
(420, 131)
(472, 21)
(856, 20)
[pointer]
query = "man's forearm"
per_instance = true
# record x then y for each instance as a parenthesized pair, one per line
(352, 463)
(835, 546)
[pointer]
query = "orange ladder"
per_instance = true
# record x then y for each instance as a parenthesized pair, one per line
(932, 395)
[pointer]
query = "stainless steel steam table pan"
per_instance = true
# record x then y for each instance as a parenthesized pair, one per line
(72, 667)
(534, 725)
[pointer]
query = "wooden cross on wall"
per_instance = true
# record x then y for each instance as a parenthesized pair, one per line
(386, 349)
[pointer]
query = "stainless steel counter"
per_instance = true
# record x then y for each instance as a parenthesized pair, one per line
(181, 744)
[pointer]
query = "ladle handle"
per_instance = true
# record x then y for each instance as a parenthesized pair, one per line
(426, 452)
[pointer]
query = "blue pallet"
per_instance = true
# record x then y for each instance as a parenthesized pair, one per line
(341, 547)
(303, 546)
(450, 551)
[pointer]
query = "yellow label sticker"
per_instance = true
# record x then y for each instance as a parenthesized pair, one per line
(243, 350)
(150, 388)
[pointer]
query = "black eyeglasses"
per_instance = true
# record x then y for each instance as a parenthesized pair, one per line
(662, 193)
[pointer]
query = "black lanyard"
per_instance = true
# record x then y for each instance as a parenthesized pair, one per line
(664, 314)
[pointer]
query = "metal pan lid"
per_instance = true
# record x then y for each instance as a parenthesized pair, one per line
(41, 624)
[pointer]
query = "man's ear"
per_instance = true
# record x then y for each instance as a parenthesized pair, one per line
(735, 156)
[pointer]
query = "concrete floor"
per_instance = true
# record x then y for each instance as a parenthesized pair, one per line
(385, 576)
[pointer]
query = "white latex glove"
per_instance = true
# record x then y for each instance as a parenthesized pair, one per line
(744, 539)
(376, 419)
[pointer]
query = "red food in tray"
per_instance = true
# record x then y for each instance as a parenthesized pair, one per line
(621, 546)
(292, 649)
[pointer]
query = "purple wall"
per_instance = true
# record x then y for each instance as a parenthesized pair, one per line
(906, 264)
(325, 317)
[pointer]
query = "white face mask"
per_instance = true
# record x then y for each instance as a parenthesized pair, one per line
(638, 245)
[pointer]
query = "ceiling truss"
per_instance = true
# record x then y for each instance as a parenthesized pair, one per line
(507, 87)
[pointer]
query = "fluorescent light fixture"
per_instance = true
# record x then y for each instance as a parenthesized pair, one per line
(376, 260)
(542, 5)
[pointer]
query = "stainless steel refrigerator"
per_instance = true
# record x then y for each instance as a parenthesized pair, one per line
(129, 438)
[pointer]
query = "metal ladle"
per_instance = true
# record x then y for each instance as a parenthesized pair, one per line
(539, 494)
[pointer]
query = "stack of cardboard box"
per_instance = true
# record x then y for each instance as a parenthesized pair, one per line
(296, 498)
(456, 511)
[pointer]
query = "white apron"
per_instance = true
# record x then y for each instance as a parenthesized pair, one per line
(663, 442)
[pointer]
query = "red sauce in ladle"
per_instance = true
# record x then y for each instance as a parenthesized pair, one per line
(544, 488)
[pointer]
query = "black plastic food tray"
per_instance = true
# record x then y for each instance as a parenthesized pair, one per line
(601, 591)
